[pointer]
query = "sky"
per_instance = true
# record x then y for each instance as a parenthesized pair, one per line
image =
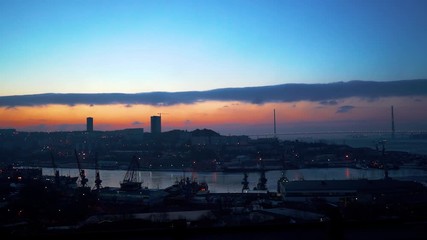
(320, 65)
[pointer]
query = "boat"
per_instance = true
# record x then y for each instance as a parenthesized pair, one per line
(68, 181)
(132, 180)
(187, 189)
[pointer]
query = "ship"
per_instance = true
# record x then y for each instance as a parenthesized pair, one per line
(131, 194)
(132, 180)
(61, 180)
(129, 190)
(187, 189)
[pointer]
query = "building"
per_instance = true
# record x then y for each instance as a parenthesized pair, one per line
(385, 190)
(89, 124)
(156, 124)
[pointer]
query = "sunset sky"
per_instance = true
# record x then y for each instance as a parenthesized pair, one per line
(323, 65)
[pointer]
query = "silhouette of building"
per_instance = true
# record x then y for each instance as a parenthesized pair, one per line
(156, 124)
(89, 124)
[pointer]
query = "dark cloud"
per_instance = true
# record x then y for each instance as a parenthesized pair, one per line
(329, 102)
(344, 109)
(255, 95)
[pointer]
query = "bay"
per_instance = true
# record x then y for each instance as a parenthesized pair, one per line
(230, 182)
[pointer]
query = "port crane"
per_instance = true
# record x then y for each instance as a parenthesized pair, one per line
(262, 182)
(245, 183)
(98, 180)
(82, 173)
(55, 170)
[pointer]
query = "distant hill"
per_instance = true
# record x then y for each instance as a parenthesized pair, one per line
(175, 134)
(204, 133)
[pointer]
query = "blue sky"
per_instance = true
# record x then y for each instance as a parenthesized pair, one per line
(223, 65)
(143, 46)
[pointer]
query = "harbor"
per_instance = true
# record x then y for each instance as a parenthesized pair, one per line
(232, 184)
(224, 182)
(190, 202)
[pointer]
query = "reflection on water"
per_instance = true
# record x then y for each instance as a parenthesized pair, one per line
(220, 182)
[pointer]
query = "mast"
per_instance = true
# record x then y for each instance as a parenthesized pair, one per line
(132, 179)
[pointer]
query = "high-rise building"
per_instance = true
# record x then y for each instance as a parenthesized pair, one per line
(89, 124)
(156, 124)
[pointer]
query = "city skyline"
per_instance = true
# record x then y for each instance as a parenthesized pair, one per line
(264, 112)
(224, 65)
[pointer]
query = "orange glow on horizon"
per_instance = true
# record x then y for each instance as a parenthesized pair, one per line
(205, 114)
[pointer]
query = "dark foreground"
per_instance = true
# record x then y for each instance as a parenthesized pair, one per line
(135, 230)
(46, 209)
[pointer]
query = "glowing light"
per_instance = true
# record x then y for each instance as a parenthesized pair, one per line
(347, 173)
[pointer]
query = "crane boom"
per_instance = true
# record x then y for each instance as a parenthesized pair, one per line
(98, 180)
(55, 170)
(82, 174)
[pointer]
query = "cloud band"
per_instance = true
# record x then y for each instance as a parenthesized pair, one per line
(255, 95)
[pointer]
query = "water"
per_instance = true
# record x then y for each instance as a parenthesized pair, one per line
(222, 182)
